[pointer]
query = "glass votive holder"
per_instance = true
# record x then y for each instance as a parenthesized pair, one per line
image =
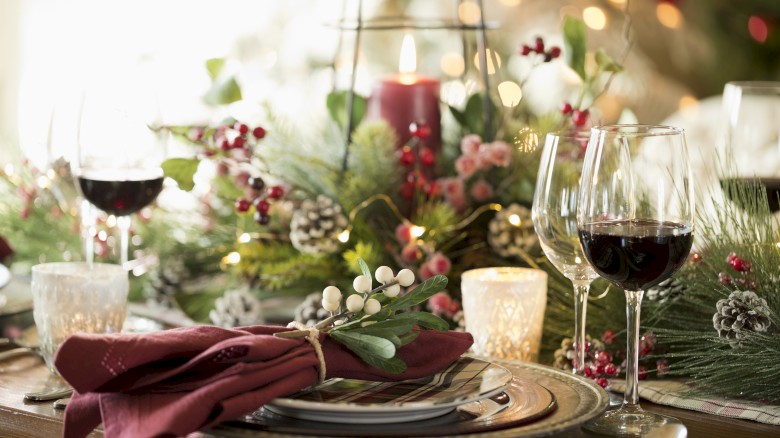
(504, 311)
(75, 297)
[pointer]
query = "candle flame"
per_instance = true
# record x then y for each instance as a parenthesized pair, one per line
(407, 62)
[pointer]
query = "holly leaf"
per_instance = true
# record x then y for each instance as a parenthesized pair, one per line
(337, 107)
(424, 319)
(607, 63)
(182, 171)
(223, 92)
(574, 45)
(214, 67)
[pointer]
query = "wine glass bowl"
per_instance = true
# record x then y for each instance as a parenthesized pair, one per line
(636, 221)
(750, 111)
(119, 151)
(554, 214)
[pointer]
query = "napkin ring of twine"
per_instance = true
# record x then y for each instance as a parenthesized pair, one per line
(314, 339)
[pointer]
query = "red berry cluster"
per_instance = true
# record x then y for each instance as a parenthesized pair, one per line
(538, 47)
(578, 116)
(419, 160)
(745, 270)
(260, 199)
(229, 136)
(598, 365)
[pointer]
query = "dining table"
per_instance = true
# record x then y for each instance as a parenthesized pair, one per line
(26, 373)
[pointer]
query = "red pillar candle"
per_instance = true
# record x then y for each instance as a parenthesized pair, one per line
(407, 98)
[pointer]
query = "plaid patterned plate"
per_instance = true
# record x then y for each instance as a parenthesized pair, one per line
(466, 380)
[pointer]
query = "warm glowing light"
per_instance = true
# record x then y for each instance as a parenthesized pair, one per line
(527, 140)
(577, 260)
(42, 182)
(9, 169)
(618, 2)
(511, 3)
(111, 221)
(515, 220)
(452, 64)
(510, 93)
(416, 231)
(669, 15)
(102, 235)
(594, 18)
(490, 55)
(469, 12)
(407, 63)
(233, 258)
(51, 173)
(344, 236)
(758, 28)
(244, 238)
(687, 101)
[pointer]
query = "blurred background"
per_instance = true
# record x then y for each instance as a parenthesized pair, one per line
(284, 54)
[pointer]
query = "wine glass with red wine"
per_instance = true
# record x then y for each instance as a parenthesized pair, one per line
(751, 141)
(635, 219)
(119, 153)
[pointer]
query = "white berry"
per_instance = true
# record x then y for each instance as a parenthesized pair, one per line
(392, 291)
(355, 303)
(372, 306)
(330, 306)
(331, 293)
(384, 274)
(405, 277)
(338, 322)
(362, 284)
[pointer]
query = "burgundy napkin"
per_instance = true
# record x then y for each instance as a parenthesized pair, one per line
(174, 382)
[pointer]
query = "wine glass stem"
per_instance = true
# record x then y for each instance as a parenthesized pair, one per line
(88, 231)
(633, 307)
(581, 290)
(123, 222)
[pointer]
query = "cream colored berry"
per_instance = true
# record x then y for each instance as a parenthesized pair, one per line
(372, 306)
(362, 284)
(331, 293)
(392, 291)
(330, 306)
(405, 277)
(355, 303)
(384, 274)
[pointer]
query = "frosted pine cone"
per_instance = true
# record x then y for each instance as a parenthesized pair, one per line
(236, 308)
(316, 225)
(165, 281)
(310, 311)
(741, 312)
(511, 231)
(668, 289)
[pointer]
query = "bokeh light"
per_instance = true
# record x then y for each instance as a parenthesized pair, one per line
(668, 15)
(594, 18)
(510, 93)
(468, 12)
(758, 29)
(452, 64)
(491, 55)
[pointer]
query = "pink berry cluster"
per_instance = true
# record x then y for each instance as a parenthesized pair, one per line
(419, 161)
(744, 269)
(538, 48)
(443, 305)
(475, 160)
(417, 252)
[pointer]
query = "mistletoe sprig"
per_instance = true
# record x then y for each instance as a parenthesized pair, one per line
(374, 322)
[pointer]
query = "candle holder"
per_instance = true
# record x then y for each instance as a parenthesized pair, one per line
(414, 93)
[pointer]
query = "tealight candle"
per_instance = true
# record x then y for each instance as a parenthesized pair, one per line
(407, 98)
(504, 311)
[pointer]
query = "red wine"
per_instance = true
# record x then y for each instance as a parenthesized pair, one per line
(636, 254)
(121, 192)
(770, 185)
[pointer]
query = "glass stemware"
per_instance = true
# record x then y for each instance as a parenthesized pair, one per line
(119, 154)
(750, 112)
(554, 215)
(635, 219)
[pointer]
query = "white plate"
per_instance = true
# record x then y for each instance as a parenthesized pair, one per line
(363, 402)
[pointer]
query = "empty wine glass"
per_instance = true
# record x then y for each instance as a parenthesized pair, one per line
(751, 141)
(554, 215)
(635, 219)
(119, 154)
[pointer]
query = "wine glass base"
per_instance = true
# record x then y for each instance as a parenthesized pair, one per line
(633, 422)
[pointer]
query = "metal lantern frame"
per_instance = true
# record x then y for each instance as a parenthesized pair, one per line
(360, 25)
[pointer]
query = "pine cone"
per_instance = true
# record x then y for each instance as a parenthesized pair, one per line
(236, 308)
(741, 312)
(316, 226)
(668, 289)
(165, 281)
(511, 231)
(310, 311)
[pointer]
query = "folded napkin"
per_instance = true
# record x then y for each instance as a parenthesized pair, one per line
(174, 382)
(678, 394)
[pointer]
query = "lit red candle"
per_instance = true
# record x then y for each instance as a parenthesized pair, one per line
(407, 98)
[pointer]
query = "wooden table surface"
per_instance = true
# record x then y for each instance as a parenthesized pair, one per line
(19, 418)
